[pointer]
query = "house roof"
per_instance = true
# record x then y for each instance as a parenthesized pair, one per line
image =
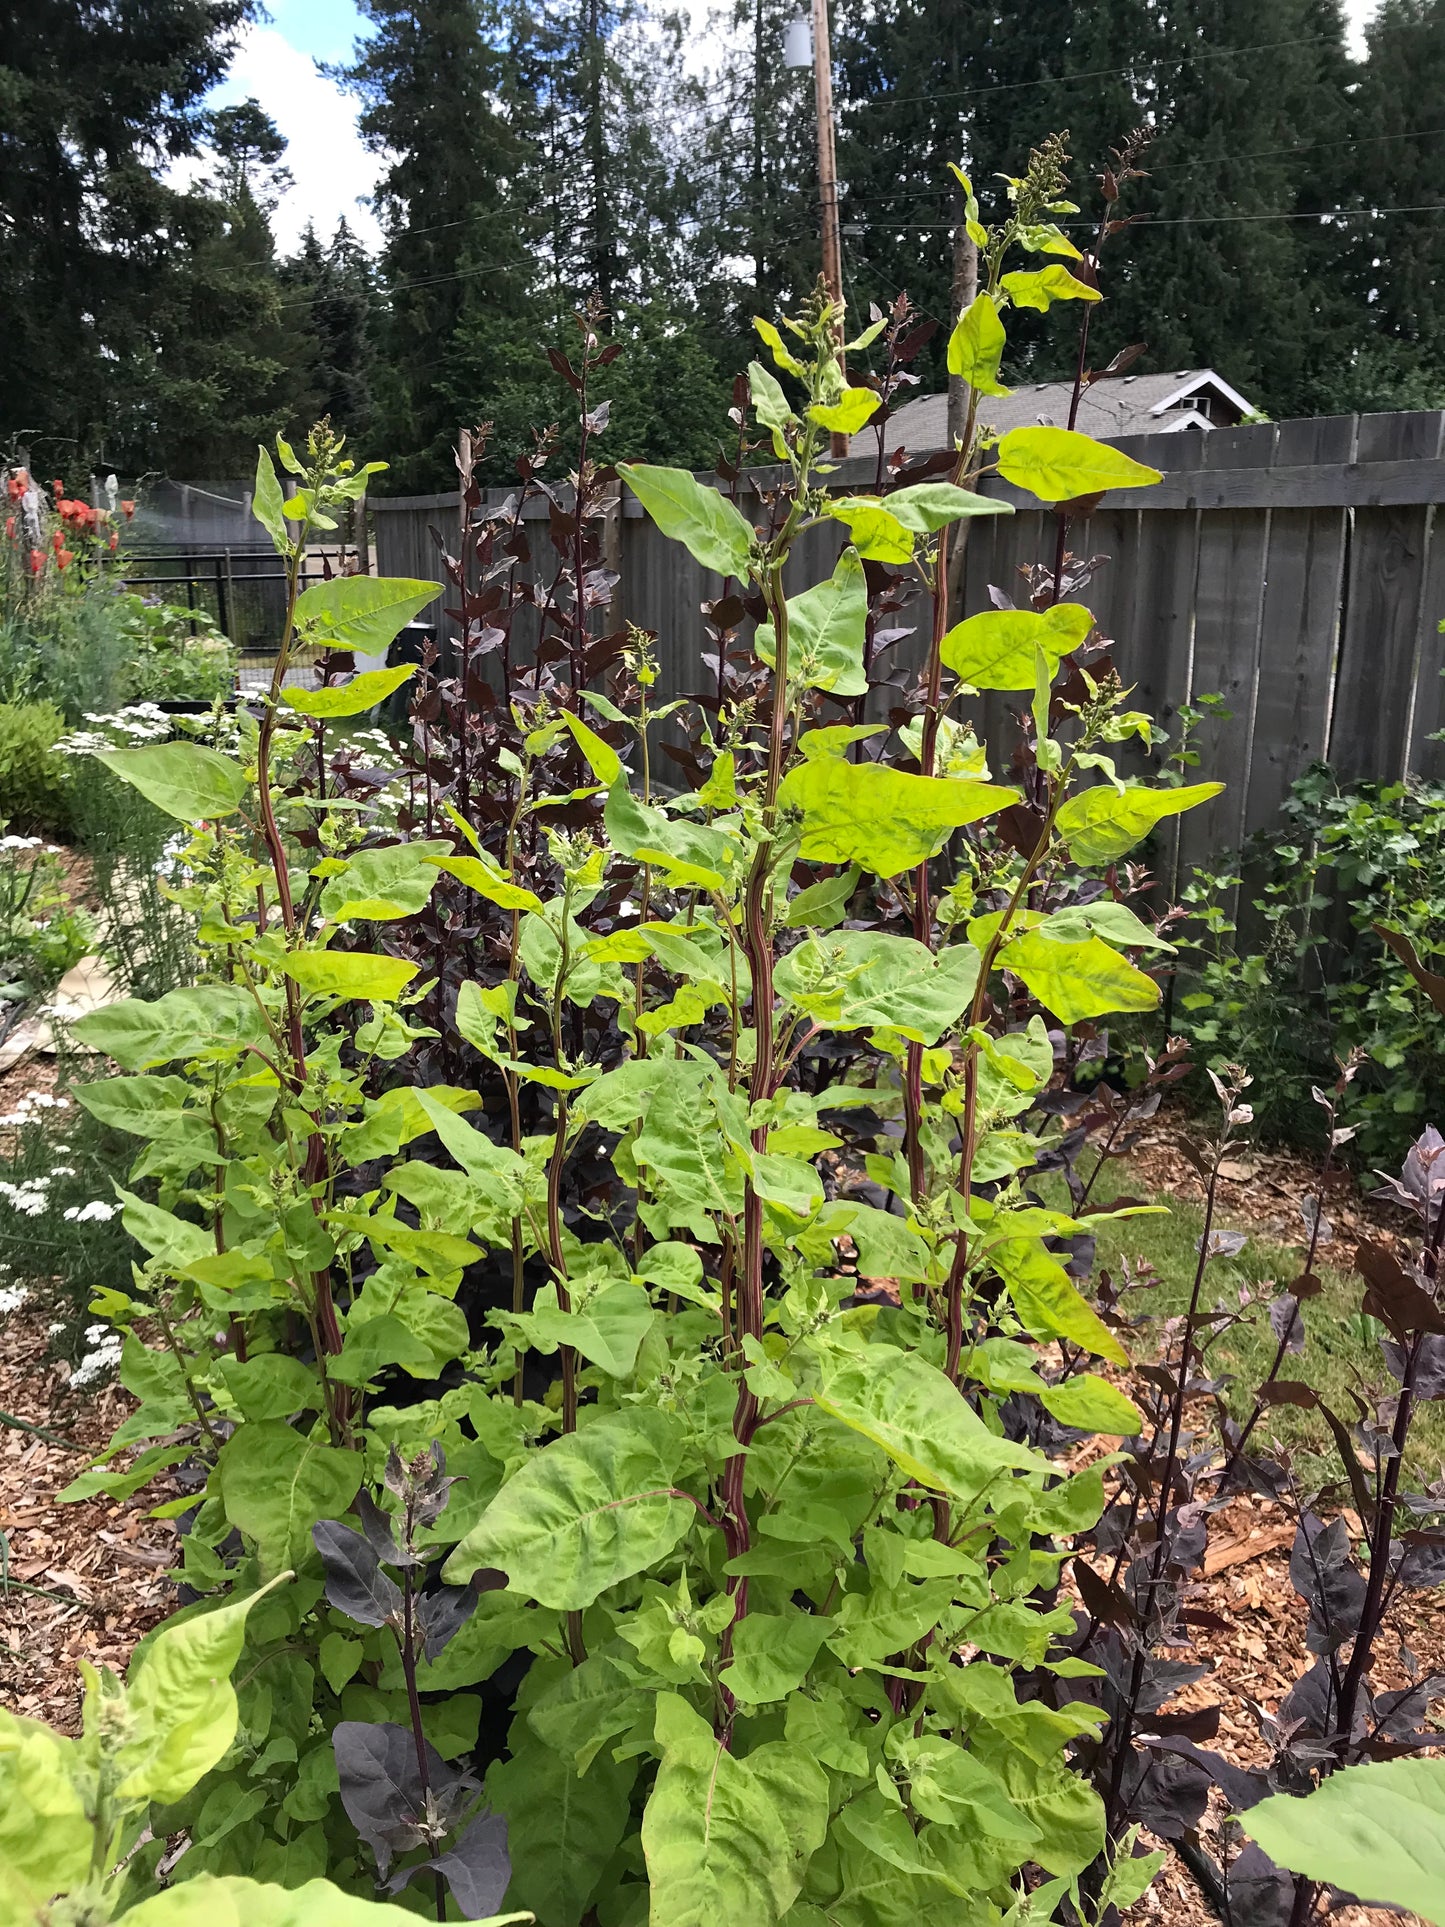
(1122, 405)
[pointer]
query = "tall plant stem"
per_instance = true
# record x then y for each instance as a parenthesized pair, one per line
(413, 1700)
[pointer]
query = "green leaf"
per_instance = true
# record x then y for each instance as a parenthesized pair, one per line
(826, 630)
(361, 612)
(1045, 285)
(709, 526)
(927, 506)
(846, 416)
(878, 817)
(144, 1106)
(821, 906)
(46, 1835)
(269, 1385)
(210, 1020)
(608, 1331)
(562, 1827)
(1101, 824)
(378, 886)
(1077, 980)
(728, 1841)
(352, 697)
(922, 1421)
(998, 649)
(602, 758)
(186, 780)
(1092, 1405)
(1047, 1302)
(691, 854)
(771, 405)
(275, 1484)
(349, 973)
(1377, 1831)
(181, 1702)
(1057, 464)
(267, 502)
(976, 346)
(1115, 922)
(860, 979)
(772, 1654)
(877, 534)
(585, 1512)
(781, 354)
(229, 1900)
(681, 1146)
(493, 884)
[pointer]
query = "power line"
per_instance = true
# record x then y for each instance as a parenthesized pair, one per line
(1199, 220)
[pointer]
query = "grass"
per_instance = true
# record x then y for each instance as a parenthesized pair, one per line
(1342, 1350)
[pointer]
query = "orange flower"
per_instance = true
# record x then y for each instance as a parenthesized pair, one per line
(37, 561)
(18, 485)
(114, 539)
(127, 509)
(64, 558)
(57, 540)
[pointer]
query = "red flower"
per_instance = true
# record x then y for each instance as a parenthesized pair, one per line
(64, 558)
(37, 561)
(18, 485)
(57, 540)
(114, 539)
(59, 487)
(127, 509)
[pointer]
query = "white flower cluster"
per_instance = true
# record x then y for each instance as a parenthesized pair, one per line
(139, 723)
(22, 843)
(12, 1297)
(30, 1197)
(102, 1358)
(96, 1212)
(28, 1110)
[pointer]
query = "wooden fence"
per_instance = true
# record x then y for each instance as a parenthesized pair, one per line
(1295, 569)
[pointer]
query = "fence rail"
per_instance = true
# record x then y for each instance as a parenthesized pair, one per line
(1297, 569)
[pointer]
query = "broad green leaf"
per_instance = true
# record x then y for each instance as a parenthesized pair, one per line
(46, 1836)
(1115, 922)
(976, 346)
(770, 405)
(772, 1654)
(602, 758)
(144, 1106)
(268, 503)
(275, 1484)
(681, 1145)
(230, 1900)
(585, 1512)
(607, 1331)
(1077, 980)
(174, 1240)
(186, 780)
(378, 886)
(880, 818)
(1045, 285)
(922, 1421)
(352, 697)
(826, 628)
(210, 1020)
(361, 612)
(927, 506)
(846, 416)
(488, 882)
(270, 1385)
(860, 979)
(1092, 1405)
(710, 527)
(1057, 464)
(1376, 1830)
(781, 353)
(562, 1827)
(998, 649)
(690, 854)
(1047, 1302)
(728, 1841)
(822, 906)
(348, 973)
(1101, 824)
(877, 534)
(182, 1704)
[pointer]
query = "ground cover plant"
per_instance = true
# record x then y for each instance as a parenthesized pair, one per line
(620, 1337)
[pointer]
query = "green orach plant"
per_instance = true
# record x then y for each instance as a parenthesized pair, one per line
(754, 1554)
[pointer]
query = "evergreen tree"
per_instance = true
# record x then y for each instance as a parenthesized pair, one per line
(1395, 276)
(328, 294)
(94, 101)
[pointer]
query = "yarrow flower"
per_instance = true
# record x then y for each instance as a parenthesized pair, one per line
(102, 1358)
(12, 1297)
(96, 1212)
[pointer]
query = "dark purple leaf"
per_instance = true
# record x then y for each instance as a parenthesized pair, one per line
(1286, 1321)
(377, 1527)
(1323, 1573)
(1242, 1790)
(442, 1614)
(478, 1869)
(355, 1582)
(1429, 1378)
(1393, 1295)
(1164, 1793)
(381, 1786)
(1421, 1560)
(1260, 1893)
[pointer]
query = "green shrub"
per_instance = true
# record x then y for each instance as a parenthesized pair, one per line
(40, 935)
(35, 791)
(173, 653)
(1298, 976)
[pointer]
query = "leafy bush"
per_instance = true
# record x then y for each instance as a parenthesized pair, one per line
(174, 653)
(1302, 977)
(34, 777)
(41, 936)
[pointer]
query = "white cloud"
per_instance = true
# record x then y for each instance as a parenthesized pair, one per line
(333, 169)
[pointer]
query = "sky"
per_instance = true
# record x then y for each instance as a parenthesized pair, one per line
(334, 172)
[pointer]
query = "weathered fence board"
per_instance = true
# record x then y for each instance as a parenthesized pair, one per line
(1297, 569)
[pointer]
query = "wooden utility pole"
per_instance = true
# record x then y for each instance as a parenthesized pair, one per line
(827, 173)
(965, 287)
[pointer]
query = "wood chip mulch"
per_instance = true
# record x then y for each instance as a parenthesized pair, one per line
(81, 1581)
